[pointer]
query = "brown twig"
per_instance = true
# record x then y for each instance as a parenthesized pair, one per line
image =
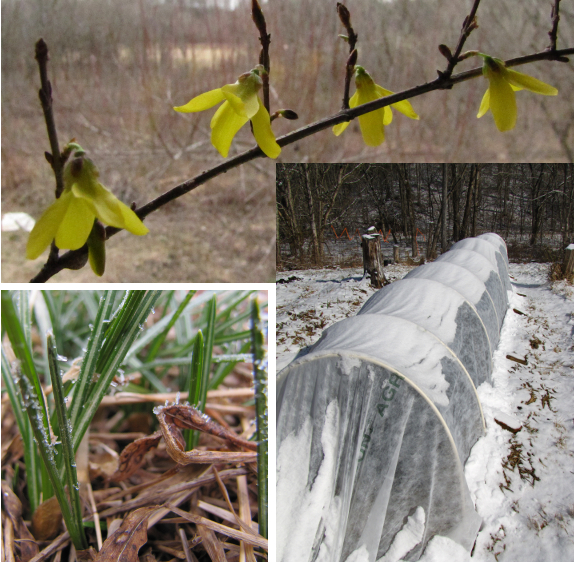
(468, 26)
(553, 33)
(72, 256)
(352, 38)
(45, 94)
(265, 40)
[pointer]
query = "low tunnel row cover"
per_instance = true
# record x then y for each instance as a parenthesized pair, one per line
(376, 421)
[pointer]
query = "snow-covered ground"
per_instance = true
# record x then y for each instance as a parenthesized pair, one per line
(522, 483)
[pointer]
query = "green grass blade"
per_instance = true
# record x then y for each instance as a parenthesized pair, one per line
(225, 368)
(194, 396)
(88, 368)
(74, 525)
(237, 336)
(260, 379)
(45, 446)
(161, 338)
(207, 351)
(30, 461)
(126, 327)
(22, 351)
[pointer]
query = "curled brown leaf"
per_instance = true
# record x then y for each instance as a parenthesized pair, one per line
(174, 418)
(132, 456)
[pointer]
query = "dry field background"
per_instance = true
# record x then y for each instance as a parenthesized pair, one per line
(117, 68)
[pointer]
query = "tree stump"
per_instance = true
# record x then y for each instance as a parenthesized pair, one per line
(568, 265)
(396, 254)
(373, 260)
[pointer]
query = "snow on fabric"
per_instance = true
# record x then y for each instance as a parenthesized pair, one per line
(376, 421)
(445, 313)
(469, 286)
(486, 271)
(487, 248)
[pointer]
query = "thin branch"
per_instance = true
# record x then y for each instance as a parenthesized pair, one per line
(74, 256)
(555, 17)
(265, 40)
(352, 38)
(468, 26)
(45, 94)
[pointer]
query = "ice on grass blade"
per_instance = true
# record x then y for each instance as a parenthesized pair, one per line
(260, 380)
(74, 519)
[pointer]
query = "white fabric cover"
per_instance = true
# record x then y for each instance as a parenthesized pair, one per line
(375, 422)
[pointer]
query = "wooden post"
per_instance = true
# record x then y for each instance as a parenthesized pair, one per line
(396, 254)
(568, 265)
(373, 259)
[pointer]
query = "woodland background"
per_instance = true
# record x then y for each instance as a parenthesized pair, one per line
(118, 68)
(530, 205)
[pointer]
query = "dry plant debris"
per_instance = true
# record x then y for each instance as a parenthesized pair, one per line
(152, 488)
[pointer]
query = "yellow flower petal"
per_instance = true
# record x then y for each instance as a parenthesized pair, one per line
(97, 253)
(132, 223)
(110, 210)
(202, 102)
(242, 100)
(338, 129)
(387, 115)
(354, 101)
(520, 80)
(45, 229)
(224, 126)
(372, 127)
(263, 133)
(502, 102)
(76, 224)
(403, 106)
(367, 92)
(485, 103)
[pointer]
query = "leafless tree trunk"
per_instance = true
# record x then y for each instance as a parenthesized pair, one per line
(316, 250)
(443, 239)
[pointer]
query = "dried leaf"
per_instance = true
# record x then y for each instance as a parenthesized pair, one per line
(132, 456)
(104, 463)
(13, 508)
(124, 544)
(47, 519)
(174, 418)
(13, 450)
(188, 417)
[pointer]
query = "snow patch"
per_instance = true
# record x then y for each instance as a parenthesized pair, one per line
(310, 499)
(407, 538)
(443, 549)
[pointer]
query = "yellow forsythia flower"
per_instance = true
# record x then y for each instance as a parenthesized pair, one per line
(373, 124)
(500, 97)
(240, 104)
(69, 219)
